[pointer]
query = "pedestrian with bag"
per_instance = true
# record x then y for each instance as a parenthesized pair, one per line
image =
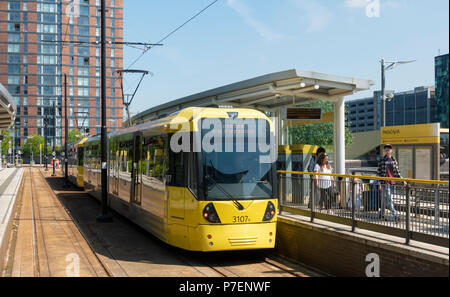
(324, 182)
(388, 167)
(312, 164)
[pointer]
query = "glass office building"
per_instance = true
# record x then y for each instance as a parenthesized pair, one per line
(442, 89)
(406, 108)
(40, 42)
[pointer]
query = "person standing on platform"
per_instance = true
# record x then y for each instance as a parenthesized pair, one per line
(312, 164)
(324, 182)
(388, 167)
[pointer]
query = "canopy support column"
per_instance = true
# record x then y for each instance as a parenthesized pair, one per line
(339, 136)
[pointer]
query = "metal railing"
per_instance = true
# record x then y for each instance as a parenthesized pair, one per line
(418, 210)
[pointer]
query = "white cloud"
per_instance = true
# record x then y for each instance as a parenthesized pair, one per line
(317, 16)
(244, 12)
(364, 3)
(356, 3)
(393, 4)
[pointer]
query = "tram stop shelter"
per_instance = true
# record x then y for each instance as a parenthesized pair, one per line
(272, 93)
(7, 109)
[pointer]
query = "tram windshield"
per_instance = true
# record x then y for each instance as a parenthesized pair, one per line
(232, 161)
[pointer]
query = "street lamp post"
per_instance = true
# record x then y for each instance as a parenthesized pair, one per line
(54, 139)
(383, 92)
(45, 143)
(392, 65)
(30, 138)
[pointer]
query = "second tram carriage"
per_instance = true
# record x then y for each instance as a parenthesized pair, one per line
(220, 195)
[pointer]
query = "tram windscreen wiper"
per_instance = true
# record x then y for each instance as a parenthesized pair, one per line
(238, 204)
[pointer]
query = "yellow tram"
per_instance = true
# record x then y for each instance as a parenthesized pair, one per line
(201, 179)
(75, 162)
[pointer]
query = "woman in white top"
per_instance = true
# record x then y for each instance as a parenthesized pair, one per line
(324, 182)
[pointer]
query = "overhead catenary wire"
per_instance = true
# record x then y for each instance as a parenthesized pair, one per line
(171, 33)
(163, 39)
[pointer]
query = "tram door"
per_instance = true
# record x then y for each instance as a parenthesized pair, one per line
(136, 174)
(116, 173)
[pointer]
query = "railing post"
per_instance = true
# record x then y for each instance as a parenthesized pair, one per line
(408, 190)
(313, 197)
(280, 200)
(416, 208)
(436, 205)
(353, 204)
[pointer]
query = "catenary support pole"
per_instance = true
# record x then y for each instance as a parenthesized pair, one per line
(66, 136)
(104, 217)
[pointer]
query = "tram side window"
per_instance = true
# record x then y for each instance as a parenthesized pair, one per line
(114, 154)
(156, 156)
(192, 173)
(95, 156)
(125, 157)
(80, 156)
(176, 168)
(86, 157)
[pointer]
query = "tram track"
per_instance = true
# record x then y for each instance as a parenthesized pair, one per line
(34, 235)
(45, 237)
(85, 237)
(269, 264)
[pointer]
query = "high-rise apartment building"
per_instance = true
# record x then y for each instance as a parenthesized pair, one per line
(442, 89)
(40, 42)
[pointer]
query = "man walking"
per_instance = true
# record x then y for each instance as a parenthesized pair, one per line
(388, 167)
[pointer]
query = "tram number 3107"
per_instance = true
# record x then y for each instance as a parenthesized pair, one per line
(241, 219)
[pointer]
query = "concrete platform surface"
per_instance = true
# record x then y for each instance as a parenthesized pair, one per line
(44, 241)
(10, 180)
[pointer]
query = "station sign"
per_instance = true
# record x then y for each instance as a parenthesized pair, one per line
(411, 134)
(302, 114)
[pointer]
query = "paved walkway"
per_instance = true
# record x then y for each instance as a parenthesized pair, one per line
(10, 179)
(45, 242)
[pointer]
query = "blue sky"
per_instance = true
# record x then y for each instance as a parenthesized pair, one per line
(236, 40)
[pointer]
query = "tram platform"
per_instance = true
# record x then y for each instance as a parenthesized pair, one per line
(10, 181)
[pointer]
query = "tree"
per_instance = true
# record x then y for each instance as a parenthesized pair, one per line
(318, 134)
(5, 142)
(74, 136)
(35, 142)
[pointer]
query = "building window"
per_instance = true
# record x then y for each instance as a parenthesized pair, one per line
(14, 58)
(13, 48)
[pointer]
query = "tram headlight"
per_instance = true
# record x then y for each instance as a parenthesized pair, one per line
(210, 214)
(270, 212)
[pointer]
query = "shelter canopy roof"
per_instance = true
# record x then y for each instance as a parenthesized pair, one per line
(266, 93)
